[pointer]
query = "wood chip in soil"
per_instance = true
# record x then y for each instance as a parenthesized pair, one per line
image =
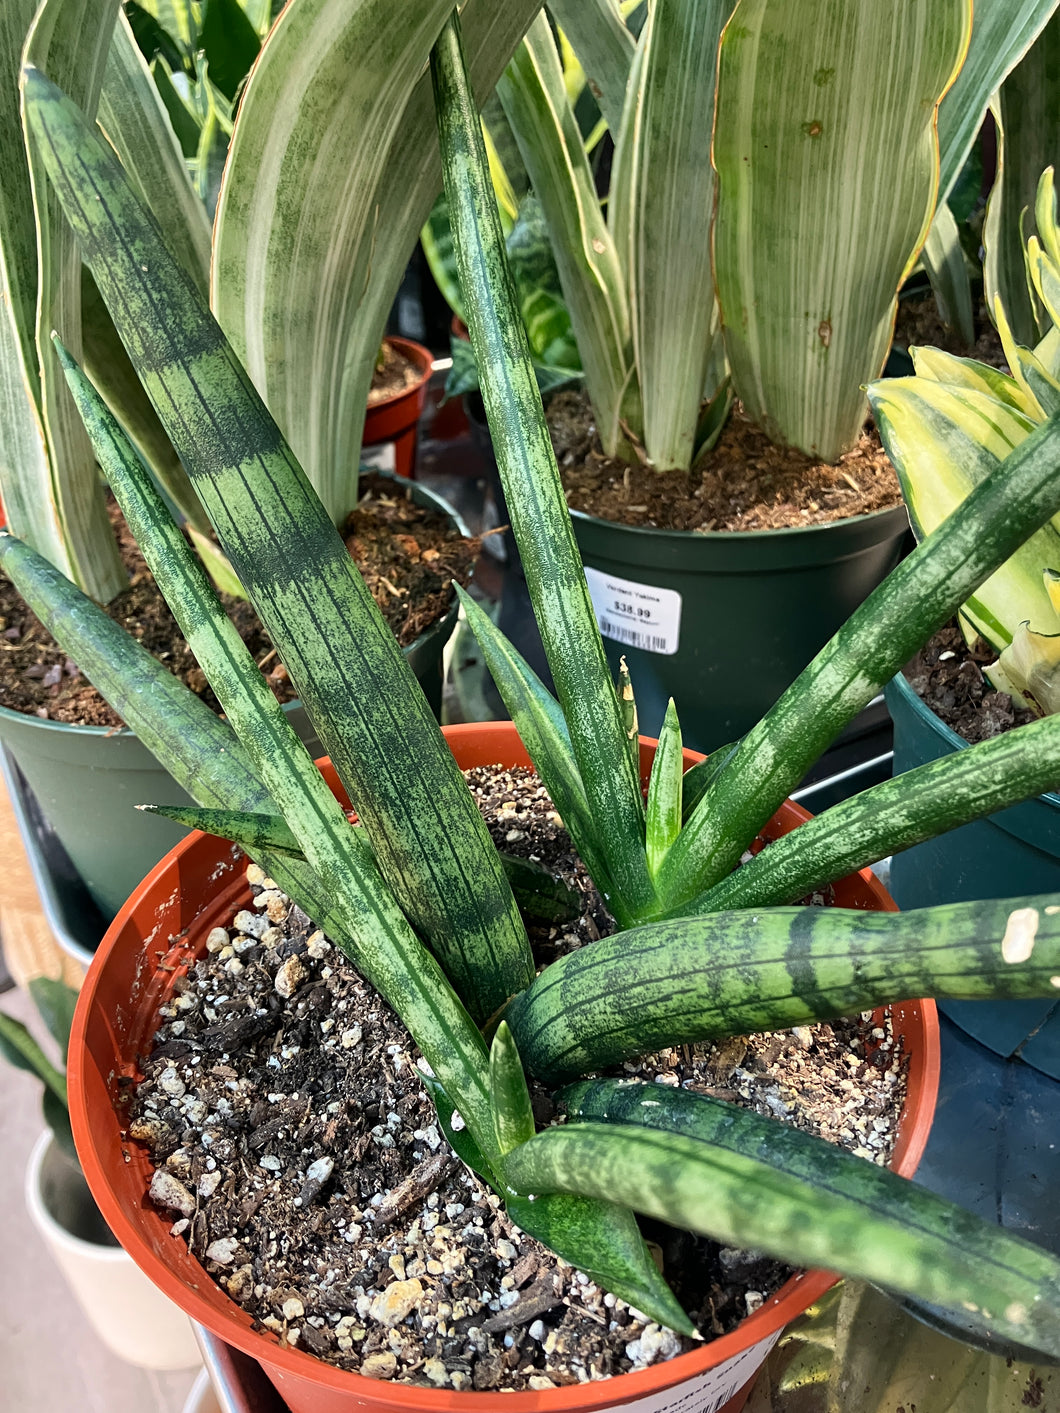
(410, 559)
(948, 677)
(302, 1161)
(746, 482)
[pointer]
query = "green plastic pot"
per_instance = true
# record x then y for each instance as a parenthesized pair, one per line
(88, 778)
(754, 607)
(1016, 851)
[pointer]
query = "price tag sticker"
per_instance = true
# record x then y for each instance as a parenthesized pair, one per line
(639, 615)
(706, 1393)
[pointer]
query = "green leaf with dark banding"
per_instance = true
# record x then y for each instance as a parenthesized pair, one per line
(538, 893)
(19, 1048)
(428, 836)
(534, 493)
(663, 814)
(732, 973)
(997, 516)
(742, 1179)
(513, 1118)
(895, 815)
(602, 1239)
(699, 777)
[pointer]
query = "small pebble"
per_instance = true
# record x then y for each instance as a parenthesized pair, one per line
(396, 1302)
(379, 1366)
(290, 976)
(223, 1251)
(292, 1308)
(169, 1192)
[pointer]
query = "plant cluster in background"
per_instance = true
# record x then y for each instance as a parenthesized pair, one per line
(417, 897)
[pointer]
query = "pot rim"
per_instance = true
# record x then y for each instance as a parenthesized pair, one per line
(911, 698)
(234, 1324)
(888, 517)
(417, 353)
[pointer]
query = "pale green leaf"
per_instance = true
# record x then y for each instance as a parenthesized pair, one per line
(551, 145)
(604, 46)
(821, 107)
(1027, 116)
(662, 200)
(1002, 32)
(947, 270)
(324, 160)
(69, 39)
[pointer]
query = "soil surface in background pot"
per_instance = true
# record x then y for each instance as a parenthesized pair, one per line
(407, 553)
(947, 675)
(918, 326)
(745, 482)
(303, 1164)
(392, 375)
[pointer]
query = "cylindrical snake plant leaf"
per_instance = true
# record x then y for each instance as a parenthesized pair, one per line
(733, 973)
(750, 1181)
(204, 756)
(534, 493)
(1014, 501)
(428, 836)
(807, 273)
(513, 1118)
(663, 813)
(894, 815)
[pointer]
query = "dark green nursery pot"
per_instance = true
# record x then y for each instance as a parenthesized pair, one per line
(724, 621)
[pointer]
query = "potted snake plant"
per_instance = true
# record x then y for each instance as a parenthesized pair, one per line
(806, 282)
(418, 899)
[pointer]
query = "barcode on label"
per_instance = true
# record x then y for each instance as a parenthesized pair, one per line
(619, 633)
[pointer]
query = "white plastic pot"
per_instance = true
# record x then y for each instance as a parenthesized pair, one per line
(131, 1316)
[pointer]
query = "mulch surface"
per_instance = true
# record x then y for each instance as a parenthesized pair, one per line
(746, 483)
(408, 555)
(947, 675)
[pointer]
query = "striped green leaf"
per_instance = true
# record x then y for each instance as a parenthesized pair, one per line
(664, 808)
(535, 103)
(55, 1003)
(47, 476)
(748, 1180)
(203, 754)
(513, 1118)
(807, 273)
(662, 201)
(604, 46)
(732, 973)
(331, 174)
(895, 815)
(603, 1240)
(941, 367)
(943, 441)
(428, 836)
(998, 515)
(1002, 32)
(538, 893)
(944, 260)
(534, 494)
(1027, 116)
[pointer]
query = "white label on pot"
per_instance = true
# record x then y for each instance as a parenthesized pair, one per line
(707, 1392)
(380, 457)
(638, 615)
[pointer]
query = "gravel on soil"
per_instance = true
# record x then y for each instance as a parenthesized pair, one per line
(302, 1160)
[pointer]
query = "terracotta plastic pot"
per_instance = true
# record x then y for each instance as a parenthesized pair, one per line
(130, 1315)
(395, 418)
(161, 931)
